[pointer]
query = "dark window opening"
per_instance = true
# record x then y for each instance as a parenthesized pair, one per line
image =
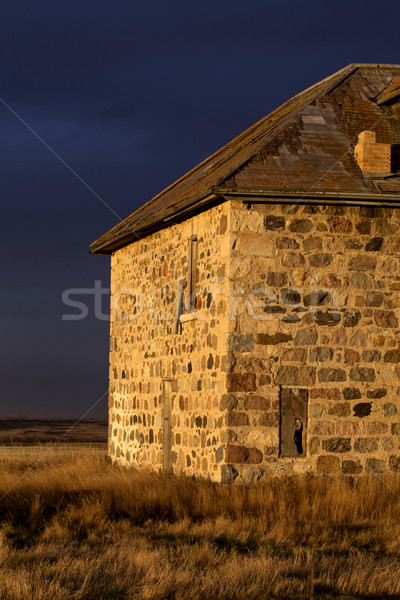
(293, 421)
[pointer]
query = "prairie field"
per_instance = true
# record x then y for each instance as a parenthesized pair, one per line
(74, 527)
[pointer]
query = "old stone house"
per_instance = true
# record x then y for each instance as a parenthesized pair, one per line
(255, 303)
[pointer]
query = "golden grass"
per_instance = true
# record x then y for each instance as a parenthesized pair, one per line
(74, 527)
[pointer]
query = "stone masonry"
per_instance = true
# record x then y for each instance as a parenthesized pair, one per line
(287, 297)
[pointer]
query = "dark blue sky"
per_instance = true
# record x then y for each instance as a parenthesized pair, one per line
(130, 95)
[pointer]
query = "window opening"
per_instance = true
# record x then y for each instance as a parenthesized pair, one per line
(293, 422)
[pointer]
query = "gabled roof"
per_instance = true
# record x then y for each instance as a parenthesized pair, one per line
(303, 149)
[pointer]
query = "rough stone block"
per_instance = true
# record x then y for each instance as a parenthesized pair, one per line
(329, 393)
(362, 409)
(254, 244)
(351, 317)
(321, 259)
(349, 427)
(371, 355)
(321, 354)
(228, 474)
(223, 222)
(293, 259)
(395, 428)
(289, 296)
(374, 245)
(389, 409)
(394, 463)
(326, 318)
(228, 435)
(353, 244)
(351, 356)
(328, 464)
(314, 445)
(362, 374)
(264, 379)
(387, 444)
(392, 356)
(255, 402)
(267, 339)
(386, 319)
(252, 475)
(274, 223)
(339, 445)
(328, 374)
(241, 382)
(351, 467)
(361, 280)
(351, 394)
(362, 263)
(285, 243)
(306, 337)
(294, 355)
(237, 419)
(331, 281)
(364, 227)
(366, 445)
(240, 343)
(300, 226)
(291, 375)
(317, 298)
(376, 428)
(228, 402)
(270, 419)
(276, 279)
(273, 308)
(312, 243)
(375, 465)
(340, 225)
(323, 428)
(373, 299)
(341, 409)
(242, 455)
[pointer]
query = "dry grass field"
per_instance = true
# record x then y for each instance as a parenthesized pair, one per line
(73, 527)
(21, 430)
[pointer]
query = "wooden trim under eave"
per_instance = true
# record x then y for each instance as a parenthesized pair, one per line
(136, 235)
(342, 198)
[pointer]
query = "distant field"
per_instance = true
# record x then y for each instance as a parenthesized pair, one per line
(34, 431)
(74, 527)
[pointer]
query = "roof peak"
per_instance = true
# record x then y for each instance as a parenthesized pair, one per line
(195, 188)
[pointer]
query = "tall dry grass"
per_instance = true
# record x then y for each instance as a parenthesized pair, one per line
(74, 527)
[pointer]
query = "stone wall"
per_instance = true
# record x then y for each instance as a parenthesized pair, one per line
(293, 304)
(316, 309)
(151, 366)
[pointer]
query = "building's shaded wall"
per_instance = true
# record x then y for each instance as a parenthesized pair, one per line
(316, 294)
(149, 361)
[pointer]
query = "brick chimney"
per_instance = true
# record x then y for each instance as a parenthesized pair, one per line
(372, 158)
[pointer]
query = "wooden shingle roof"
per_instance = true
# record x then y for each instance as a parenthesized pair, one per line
(303, 150)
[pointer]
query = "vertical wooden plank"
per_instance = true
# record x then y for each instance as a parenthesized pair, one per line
(167, 427)
(293, 421)
(178, 308)
(193, 272)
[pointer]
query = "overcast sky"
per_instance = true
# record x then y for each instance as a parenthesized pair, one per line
(102, 105)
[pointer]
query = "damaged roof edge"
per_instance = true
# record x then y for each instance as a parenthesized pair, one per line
(109, 245)
(201, 187)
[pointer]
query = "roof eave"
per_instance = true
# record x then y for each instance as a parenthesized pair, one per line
(304, 197)
(108, 244)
